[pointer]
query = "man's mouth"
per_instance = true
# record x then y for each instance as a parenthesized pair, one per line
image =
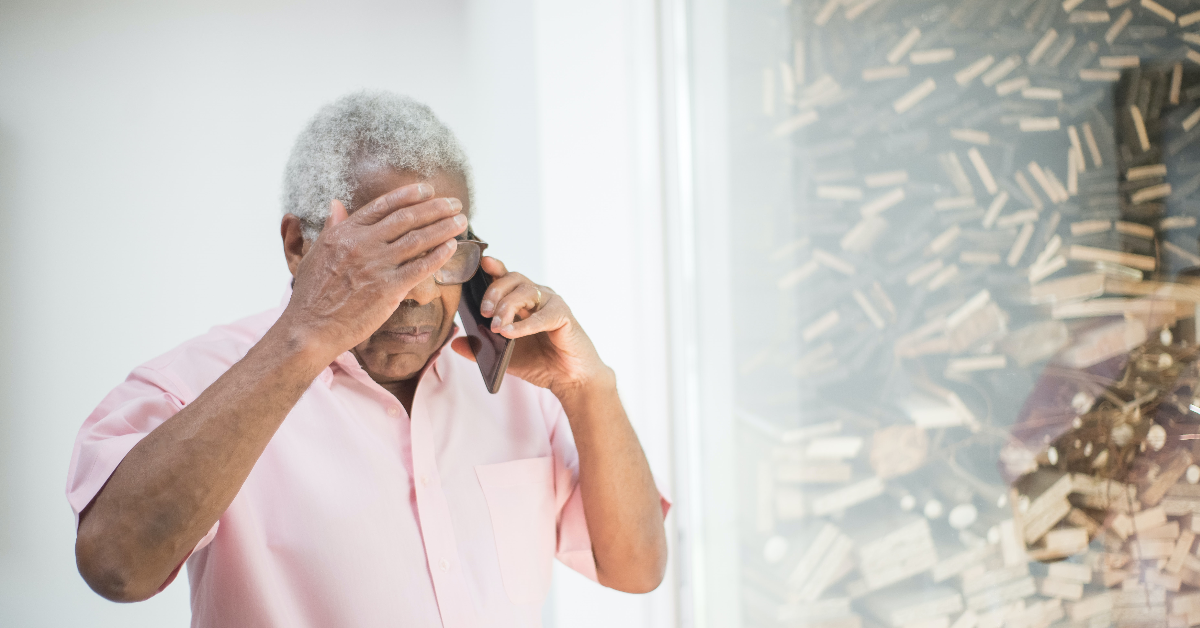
(417, 334)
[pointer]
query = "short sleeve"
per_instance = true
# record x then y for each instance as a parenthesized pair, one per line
(574, 547)
(132, 410)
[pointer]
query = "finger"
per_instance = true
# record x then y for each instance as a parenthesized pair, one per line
(493, 266)
(381, 207)
(417, 269)
(405, 219)
(462, 347)
(337, 213)
(501, 286)
(545, 319)
(523, 299)
(418, 242)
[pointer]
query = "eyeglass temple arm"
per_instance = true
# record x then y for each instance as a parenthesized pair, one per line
(474, 238)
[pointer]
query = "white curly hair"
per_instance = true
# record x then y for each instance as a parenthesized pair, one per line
(372, 126)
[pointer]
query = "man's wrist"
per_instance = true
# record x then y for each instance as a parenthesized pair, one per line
(601, 383)
(296, 344)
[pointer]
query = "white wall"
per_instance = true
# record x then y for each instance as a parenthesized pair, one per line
(141, 148)
(601, 165)
(501, 131)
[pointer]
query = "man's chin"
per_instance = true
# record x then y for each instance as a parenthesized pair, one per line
(395, 356)
(393, 363)
(391, 371)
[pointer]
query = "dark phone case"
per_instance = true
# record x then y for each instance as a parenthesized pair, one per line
(492, 351)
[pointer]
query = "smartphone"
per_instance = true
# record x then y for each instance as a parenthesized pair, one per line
(492, 351)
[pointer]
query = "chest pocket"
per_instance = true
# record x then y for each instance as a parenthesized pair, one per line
(520, 499)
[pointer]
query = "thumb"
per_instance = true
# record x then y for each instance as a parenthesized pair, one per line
(462, 347)
(337, 213)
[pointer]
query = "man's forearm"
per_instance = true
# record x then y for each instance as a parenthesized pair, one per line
(620, 500)
(174, 484)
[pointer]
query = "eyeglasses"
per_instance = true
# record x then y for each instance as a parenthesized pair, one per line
(463, 264)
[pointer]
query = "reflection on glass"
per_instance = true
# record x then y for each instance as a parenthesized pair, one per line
(967, 370)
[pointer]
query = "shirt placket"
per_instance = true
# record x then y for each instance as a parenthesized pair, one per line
(441, 548)
(433, 511)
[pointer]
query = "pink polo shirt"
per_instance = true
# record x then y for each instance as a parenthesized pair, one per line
(357, 514)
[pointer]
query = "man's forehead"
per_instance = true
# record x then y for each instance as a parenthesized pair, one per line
(373, 180)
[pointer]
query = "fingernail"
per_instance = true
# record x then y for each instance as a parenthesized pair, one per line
(425, 190)
(455, 204)
(460, 220)
(486, 307)
(452, 245)
(507, 329)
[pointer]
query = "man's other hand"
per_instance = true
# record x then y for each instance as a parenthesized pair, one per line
(553, 351)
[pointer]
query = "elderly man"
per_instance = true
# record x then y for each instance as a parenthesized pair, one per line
(327, 463)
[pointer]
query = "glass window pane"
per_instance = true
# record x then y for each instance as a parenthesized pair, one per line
(964, 276)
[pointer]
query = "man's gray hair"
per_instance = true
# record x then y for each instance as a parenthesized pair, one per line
(366, 126)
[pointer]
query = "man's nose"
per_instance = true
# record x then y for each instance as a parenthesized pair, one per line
(424, 292)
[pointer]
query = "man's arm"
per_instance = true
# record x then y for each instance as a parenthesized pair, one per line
(620, 501)
(174, 484)
(177, 481)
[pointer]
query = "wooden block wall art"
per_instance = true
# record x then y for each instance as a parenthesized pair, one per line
(971, 394)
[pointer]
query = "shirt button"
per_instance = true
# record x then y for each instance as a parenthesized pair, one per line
(393, 411)
(424, 480)
(445, 565)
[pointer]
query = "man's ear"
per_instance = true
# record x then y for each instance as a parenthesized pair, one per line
(294, 245)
